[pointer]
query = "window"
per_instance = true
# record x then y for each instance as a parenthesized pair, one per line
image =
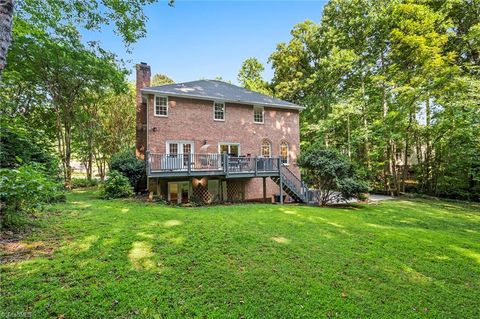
(266, 150)
(258, 114)
(284, 153)
(219, 111)
(173, 148)
(187, 148)
(232, 149)
(161, 106)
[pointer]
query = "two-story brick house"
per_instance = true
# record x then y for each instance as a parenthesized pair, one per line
(216, 141)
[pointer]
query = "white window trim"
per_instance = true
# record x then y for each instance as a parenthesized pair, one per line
(155, 106)
(288, 152)
(167, 146)
(224, 111)
(229, 143)
(263, 114)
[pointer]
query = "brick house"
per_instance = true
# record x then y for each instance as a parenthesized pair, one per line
(209, 140)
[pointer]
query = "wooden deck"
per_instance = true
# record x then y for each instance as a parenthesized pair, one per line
(211, 164)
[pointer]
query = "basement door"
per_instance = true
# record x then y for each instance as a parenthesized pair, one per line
(178, 192)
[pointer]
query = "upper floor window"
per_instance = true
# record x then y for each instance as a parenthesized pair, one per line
(219, 111)
(258, 114)
(266, 150)
(284, 153)
(161, 106)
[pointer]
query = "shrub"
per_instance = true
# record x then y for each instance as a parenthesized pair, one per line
(24, 191)
(129, 166)
(331, 174)
(83, 182)
(21, 144)
(116, 186)
(352, 188)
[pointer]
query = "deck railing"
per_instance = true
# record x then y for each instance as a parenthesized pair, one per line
(222, 164)
(184, 162)
(252, 164)
(294, 183)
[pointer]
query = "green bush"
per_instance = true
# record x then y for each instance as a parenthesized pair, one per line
(23, 191)
(116, 186)
(331, 174)
(353, 188)
(129, 166)
(20, 144)
(83, 182)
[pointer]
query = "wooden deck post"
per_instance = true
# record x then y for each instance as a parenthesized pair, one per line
(147, 160)
(264, 189)
(281, 189)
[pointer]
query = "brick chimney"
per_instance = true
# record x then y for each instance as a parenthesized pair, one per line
(142, 81)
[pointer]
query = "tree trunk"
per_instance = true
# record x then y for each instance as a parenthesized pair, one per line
(101, 165)
(349, 149)
(60, 141)
(68, 156)
(407, 147)
(90, 158)
(428, 148)
(393, 168)
(386, 156)
(6, 21)
(365, 127)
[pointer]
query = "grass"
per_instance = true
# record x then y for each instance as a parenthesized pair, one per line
(125, 258)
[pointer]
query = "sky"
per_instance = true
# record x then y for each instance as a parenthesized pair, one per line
(204, 40)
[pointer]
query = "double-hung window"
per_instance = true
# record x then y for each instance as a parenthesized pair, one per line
(258, 114)
(161, 106)
(219, 111)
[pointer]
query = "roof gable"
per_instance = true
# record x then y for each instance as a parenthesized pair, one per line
(221, 91)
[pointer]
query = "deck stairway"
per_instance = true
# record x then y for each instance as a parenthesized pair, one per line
(212, 164)
(291, 185)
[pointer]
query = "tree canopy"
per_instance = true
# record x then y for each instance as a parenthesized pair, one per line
(66, 87)
(250, 76)
(161, 79)
(394, 86)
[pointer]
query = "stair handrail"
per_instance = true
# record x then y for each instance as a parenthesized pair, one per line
(300, 187)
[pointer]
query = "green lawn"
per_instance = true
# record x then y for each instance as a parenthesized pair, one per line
(126, 258)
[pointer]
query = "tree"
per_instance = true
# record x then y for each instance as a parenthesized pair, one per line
(126, 15)
(331, 174)
(22, 144)
(250, 76)
(390, 83)
(6, 19)
(106, 126)
(116, 186)
(67, 72)
(161, 79)
(294, 63)
(106, 123)
(126, 163)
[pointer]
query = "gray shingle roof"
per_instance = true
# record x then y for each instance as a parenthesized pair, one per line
(219, 91)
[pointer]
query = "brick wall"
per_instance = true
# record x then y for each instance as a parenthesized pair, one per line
(192, 120)
(143, 74)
